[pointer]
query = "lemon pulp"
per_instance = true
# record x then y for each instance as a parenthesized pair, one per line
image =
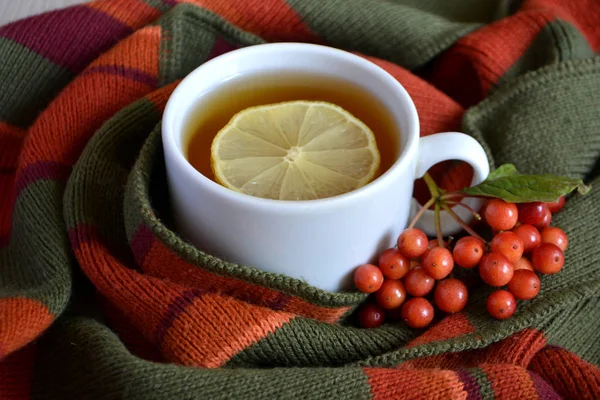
(298, 150)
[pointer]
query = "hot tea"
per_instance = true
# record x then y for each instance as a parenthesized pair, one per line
(238, 94)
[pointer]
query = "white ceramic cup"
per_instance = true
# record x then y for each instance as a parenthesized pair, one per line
(318, 241)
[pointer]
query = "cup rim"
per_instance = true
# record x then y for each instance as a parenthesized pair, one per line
(379, 184)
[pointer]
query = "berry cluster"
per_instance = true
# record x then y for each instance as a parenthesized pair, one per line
(419, 271)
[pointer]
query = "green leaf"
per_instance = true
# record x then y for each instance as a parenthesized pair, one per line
(502, 171)
(518, 188)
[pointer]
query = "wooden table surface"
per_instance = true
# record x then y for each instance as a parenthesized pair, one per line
(11, 10)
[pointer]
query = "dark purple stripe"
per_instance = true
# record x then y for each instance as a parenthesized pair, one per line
(221, 46)
(131, 73)
(470, 384)
(544, 390)
(81, 234)
(279, 302)
(175, 309)
(71, 37)
(42, 170)
(141, 243)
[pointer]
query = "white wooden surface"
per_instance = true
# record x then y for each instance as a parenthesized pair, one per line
(11, 10)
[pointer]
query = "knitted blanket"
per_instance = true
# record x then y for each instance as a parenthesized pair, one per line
(101, 299)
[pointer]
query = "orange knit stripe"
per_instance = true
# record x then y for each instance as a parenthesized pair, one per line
(396, 384)
(133, 13)
(497, 47)
(90, 100)
(437, 111)
(477, 61)
(203, 330)
(162, 263)
(458, 176)
(517, 349)
(567, 373)
(273, 20)
(583, 14)
(127, 54)
(214, 328)
(160, 96)
(16, 373)
(510, 381)
(145, 300)
(21, 321)
(452, 326)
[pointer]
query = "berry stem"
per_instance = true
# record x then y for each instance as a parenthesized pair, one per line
(461, 222)
(452, 195)
(431, 185)
(438, 226)
(457, 203)
(418, 215)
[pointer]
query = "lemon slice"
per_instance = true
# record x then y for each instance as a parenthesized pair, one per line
(299, 150)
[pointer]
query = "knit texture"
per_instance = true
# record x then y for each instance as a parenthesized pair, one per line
(101, 299)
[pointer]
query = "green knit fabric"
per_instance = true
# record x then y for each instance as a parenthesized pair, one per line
(542, 114)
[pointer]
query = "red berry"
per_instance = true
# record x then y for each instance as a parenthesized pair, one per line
(524, 284)
(451, 295)
(529, 235)
(468, 251)
(523, 263)
(417, 312)
(368, 278)
(417, 282)
(532, 213)
(393, 264)
(500, 215)
(371, 315)
(555, 236)
(508, 244)
(547, 258)
(433, 243)
(412, 242)
(495, 269)
(391, 294)
(556, 206)
(501, 304)
(438, 263)
(545, 222)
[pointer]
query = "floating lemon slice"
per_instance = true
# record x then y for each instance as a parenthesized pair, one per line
(299, 150)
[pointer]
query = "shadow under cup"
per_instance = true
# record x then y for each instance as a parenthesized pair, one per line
(318, 241)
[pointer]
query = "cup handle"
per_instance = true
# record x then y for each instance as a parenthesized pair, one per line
(450, 146)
